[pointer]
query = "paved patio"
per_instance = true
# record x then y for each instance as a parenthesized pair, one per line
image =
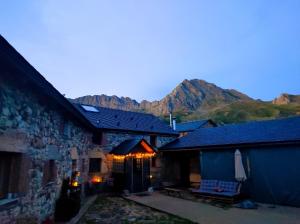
(204, 213)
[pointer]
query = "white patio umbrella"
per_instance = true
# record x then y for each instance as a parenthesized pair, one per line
(240, 174)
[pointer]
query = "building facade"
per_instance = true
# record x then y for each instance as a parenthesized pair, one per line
(46, 140)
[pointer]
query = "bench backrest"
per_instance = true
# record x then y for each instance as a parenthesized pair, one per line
(208, 185)
(228, 186)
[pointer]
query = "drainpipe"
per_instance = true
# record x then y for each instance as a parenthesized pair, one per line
(174, 123)
(171, 125)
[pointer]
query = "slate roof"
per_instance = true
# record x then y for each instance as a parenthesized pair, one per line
(22, 72)
(259, 132)
(128, 146)
(121, 120)
(192, 125)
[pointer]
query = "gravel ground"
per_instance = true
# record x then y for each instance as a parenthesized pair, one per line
(116, 210)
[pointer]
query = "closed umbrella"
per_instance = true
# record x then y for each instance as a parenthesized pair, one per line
(240, 174)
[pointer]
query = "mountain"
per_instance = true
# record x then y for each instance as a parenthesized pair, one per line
(189, 96)
(122, 103)
(198, 99)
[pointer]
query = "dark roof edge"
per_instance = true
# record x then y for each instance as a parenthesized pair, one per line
(242, 145)
(139, 132)
(137, 143)
(15, 57)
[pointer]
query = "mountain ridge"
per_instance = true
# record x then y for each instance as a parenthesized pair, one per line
(188, 96)
(195, 99)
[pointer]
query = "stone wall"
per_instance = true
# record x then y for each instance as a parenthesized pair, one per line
(33, 129)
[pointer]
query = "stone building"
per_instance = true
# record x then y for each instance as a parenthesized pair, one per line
(125, 130)
(44, 138)
(39, 129)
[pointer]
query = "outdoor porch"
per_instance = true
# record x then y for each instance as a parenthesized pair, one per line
(131, 165)
(181, 169)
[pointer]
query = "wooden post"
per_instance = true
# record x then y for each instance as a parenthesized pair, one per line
(131, 174)
(142, 173)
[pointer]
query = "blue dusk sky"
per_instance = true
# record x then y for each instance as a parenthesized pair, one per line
(144, 48)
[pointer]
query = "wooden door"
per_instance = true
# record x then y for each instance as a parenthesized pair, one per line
(141, 175)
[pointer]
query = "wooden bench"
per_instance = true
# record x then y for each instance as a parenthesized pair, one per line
(174, 192)
(227, 191)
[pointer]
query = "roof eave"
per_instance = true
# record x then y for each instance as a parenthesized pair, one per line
(245, 145)
(137, 131)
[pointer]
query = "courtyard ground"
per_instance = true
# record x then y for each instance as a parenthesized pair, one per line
(116, 210)
(206, 213)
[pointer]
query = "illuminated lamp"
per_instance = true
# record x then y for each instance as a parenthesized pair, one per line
(135, 155)
(97, 179)
(75, 184)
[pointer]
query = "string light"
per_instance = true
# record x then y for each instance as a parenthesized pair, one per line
(134, 155)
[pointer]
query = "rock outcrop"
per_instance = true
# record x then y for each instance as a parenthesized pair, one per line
(285, 98)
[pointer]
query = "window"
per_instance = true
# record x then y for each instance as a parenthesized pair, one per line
(9, 173)
(118, 166)
(65, 128)
(137, 164)
(89, 108)
(95, 165)
(98, 138)
(153, 140)
(49, 174)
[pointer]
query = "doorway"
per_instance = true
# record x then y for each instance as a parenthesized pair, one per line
(140, 174)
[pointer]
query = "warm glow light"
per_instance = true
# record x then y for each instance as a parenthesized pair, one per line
(149, 152)
(96, 179)
(75, 184)
(147, 147)
(118, 157)
(134, 155)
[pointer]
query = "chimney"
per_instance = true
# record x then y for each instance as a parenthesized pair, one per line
(171, 119)
(174, 123)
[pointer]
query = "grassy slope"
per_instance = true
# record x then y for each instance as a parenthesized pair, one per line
(244, 111)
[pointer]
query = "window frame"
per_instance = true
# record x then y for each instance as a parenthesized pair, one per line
(11, 170)
(49, 172)
(93, 169)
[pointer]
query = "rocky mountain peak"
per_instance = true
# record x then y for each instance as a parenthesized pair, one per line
(286, 98)
(187, 97)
